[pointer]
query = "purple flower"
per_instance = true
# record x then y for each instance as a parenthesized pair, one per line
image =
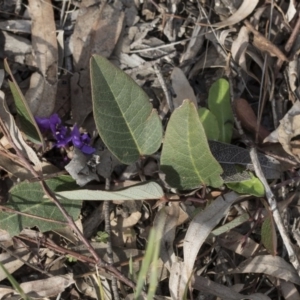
(63, 136)
(50, 123)
(81, 141)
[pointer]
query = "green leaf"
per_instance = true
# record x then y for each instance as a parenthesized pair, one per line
(124, 117)
(268, 231)
(149, 263)
(219, 105)
(27, 121)
(251, 186)
(186, 158)
(210, 124)
(102, 237)
(149, 190)
(237, 221)
(28, 198)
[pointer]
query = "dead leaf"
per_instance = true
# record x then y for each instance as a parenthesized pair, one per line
(289, 127)
(209, 287)
(236, 242)
(79, 169)
(11, 263)
(89, 286)
(289, 291)
(42, 92)
(291, 11)
(14, 168)
(239, 48)
(107, 163)
(16, 134)
(49, 287)
(96, 31)
(182, 88)
(15, 48)
(5, 291)
(246, 8)
(201, 226)
(177, 282)
(195, 43)
(248, 118)
(264, 44)
(270, 265)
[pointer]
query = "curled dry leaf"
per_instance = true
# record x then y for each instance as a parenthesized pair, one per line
(289, 127)
(239, 48)
(265, 45)
(16, 134)
(271, 265)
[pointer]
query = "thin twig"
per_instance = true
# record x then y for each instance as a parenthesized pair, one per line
(45, 242)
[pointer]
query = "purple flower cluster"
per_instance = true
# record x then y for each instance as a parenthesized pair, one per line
(63, 135)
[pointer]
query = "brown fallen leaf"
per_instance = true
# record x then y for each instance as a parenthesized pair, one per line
(97, 31)
(265, 45)
(42, 91)
(248, 118)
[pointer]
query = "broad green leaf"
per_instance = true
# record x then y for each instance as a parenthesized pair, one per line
(150, 190)
(27, 121)
(28, 197)
(210, 124)
(251, 186)
(186, 158)
(219, 104)
(124, 117)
